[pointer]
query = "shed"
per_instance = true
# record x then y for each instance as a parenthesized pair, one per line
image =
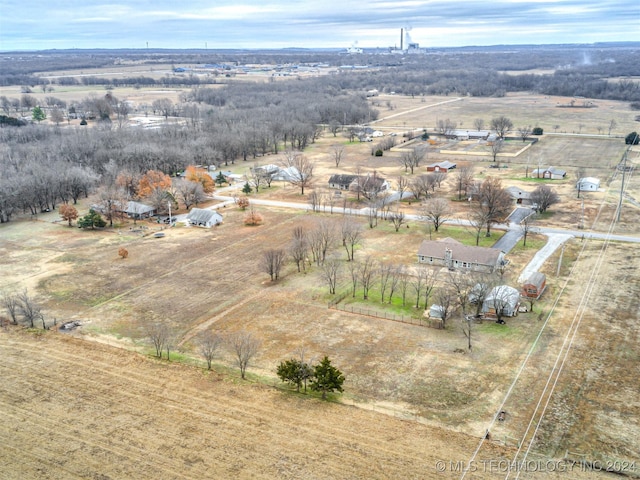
(443, 166)
(201, 217)
(551, 173)
(534, 285)
(588, 184)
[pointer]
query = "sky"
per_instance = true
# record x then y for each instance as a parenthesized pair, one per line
(213, 24)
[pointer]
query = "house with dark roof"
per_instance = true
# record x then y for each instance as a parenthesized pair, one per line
(201, 217)
(454, 255)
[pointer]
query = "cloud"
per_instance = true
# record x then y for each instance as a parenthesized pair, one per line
(277, 23)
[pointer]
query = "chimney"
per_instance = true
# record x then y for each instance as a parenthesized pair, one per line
(448, 258)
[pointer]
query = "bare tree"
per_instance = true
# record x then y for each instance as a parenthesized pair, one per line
(496, 147)
(372, 213)
(351, 235)
(398, 219)
(612, 124)
(272, 261)
(385, 274)
(543, 197)
(404, 280)
(321, 238)
(30, 310)
(412, 159)
(11, 304)
(394, 281)
(464, 180)
(502, 126)
(330, 271)
(494, 201)
(445, 127)
(208, 346)
(527, 225)
(354, 274)
(299, 247)
(300, 169)
(191, 193)
(445, 298)
(402, 185)
(157, 332)
(423, 282)
(478, 221)
(337, 152)
(366, 270)
(244, 345)
(524, 132)
(478, 124)
(437, 211)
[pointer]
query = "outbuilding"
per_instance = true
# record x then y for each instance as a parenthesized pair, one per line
(588, 184)
(504, 299)
(201, 217)
(534, 285)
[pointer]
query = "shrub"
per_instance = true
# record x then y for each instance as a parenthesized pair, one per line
(378, 153)
(243, 203)
(632, 139)
(123, 252)
(252, 218)
(537, 130)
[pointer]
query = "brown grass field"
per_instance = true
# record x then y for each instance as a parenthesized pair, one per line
(93, 404)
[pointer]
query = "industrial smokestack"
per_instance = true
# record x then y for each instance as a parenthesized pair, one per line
(401, 38)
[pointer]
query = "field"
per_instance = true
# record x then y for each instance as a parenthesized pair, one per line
(101, 403)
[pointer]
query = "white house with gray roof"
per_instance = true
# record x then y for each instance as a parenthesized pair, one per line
(201, 217)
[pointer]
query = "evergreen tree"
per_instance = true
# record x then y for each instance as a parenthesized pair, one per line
(91, 220)
(247, 189)
(220, 179)
(632, 139)
(38, 114)
(295, 372)
(327, 378)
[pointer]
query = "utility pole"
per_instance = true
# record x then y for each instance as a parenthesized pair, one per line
(169, 205)
(560, 261)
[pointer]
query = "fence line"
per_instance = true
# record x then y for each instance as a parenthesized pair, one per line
(334, 305)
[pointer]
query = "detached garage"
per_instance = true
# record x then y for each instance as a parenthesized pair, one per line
(203, 218)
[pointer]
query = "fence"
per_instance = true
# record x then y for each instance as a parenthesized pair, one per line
(355, 309)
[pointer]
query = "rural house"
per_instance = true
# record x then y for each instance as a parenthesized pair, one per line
(454, 255)
(588, 184)
(341, 182)
(550, 173)
(201, 217)
(534, 285)
(443, 166)
(503, 298)
(363, 183)
(521, 197)
(139, 210)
